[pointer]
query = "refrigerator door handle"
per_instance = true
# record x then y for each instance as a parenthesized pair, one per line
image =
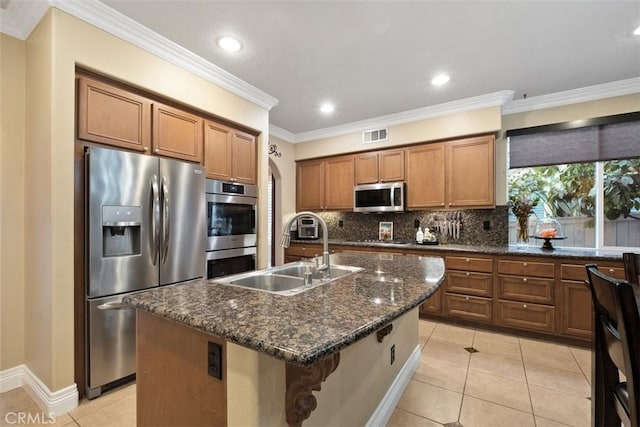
(166, 221)
(113, 305)
(155, 218)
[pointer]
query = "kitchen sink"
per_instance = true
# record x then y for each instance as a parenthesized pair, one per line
(287, 279)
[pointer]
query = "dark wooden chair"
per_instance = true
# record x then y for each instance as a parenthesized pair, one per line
(616, 348)
(631, 267)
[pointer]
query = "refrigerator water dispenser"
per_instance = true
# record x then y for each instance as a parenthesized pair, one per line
(121, 230)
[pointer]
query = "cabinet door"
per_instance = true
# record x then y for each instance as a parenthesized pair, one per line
(113, 116)
(338, 189)
(470, 173)
(176, 133)
(244, 158)
(433, 304)
(218, 146)
(310, 185)
(391, 165)
(576, 310)
(425, 176)
(366, 168)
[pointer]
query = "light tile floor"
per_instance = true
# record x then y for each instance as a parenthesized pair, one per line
(509, 381)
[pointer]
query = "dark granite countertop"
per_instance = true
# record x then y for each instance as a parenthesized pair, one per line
(305, 327)
(488, 250)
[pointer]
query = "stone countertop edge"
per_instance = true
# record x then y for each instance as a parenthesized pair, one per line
(306, 327)
(605, 255)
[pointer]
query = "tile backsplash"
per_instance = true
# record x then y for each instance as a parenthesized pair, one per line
(472, 232)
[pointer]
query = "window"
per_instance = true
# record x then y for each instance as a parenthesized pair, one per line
(594, 193)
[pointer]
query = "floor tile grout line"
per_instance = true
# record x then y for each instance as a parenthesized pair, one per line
(526, 378)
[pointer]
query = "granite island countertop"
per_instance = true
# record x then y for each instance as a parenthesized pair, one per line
(302, 328)
(536, 251)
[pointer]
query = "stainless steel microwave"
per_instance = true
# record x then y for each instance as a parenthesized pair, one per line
(383, 197)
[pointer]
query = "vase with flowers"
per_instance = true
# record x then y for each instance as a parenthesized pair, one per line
(522, 207)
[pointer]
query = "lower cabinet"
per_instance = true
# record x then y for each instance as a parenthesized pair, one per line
(534, 317)
(433, 305)
(468, 307)
(577, 310)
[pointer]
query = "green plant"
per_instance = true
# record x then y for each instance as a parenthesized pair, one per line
(621, 188)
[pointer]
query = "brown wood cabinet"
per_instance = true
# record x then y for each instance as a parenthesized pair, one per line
(229, 154)
(452, 174)
(425, 176)
(325, 184)
(379, 166)
(176, 133)
(468, 288)
(470, 172)
(300, 251)
(113, 116)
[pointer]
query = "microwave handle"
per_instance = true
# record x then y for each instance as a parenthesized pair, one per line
(393, 196)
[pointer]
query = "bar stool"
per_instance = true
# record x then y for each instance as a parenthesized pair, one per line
(616, 347)
(631, 267)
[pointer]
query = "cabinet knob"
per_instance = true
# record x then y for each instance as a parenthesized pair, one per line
(441, 204)
(524, 264)
(611, 270)
(304, 249)
(157, 150)
(467, 260)
(145, 148)
(466, 298)
(524, 279)
(524, 305)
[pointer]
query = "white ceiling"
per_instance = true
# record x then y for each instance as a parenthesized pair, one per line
(375, 58)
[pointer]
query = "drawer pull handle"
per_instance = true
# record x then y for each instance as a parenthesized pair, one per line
(524, 305)
(611, 270)
(467, 273)
(524, 279)
(466, 298)
(524, 264)
(467, 260)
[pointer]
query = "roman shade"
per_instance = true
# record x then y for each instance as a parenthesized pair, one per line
(607, 138)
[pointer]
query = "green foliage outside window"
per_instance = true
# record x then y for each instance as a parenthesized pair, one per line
(569, 190)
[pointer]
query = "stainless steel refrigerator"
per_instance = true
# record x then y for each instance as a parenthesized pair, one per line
(145, 219)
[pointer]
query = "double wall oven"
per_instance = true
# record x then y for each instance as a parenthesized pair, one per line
(231, 228)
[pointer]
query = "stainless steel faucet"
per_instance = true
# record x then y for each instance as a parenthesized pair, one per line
(325, 268)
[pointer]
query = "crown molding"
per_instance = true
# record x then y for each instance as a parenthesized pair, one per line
(574, 96)
(490, 100)
(283, 134)
(23, 16)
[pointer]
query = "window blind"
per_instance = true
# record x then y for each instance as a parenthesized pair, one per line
(547, 145)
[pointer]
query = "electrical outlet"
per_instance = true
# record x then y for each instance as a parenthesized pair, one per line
(416, 223)
(340, 223)
(214, 360)
(393, 353)
(486, 225)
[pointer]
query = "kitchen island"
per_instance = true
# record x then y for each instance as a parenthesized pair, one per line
(339, 353)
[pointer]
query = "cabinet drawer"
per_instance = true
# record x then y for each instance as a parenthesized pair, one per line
(305, 251)
(526, 268)
(579, 272)
(469, 264)
(469, 283)
(534, 317)
(467, 307)
(525, 289)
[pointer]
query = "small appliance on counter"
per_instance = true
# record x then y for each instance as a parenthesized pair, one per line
(307, 227)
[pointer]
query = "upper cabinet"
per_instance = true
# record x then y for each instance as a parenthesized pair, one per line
(425, 176)
(470, 172)
(453, 174)
(177, 133)
(113, 116)
(379, 166)
(325, 184)
(229, 154)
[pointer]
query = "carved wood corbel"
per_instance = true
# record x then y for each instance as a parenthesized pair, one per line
(301, 382)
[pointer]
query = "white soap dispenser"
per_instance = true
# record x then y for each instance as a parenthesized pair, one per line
(419, 235)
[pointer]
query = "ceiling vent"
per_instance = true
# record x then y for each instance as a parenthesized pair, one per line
(375, 135)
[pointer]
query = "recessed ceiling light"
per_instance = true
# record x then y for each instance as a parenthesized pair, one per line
(440, 79)
(636, 32)
(229, 43)
(327, 108)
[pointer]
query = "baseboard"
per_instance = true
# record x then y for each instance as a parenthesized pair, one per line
(57, 402)
(387, 405)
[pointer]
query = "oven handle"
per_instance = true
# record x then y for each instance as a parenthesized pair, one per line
(115, 305)
(155, 217)
(166, 221)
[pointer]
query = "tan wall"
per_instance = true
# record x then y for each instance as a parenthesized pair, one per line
(55, 47)
(12, 148)
(284, 169)
(484, 120)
